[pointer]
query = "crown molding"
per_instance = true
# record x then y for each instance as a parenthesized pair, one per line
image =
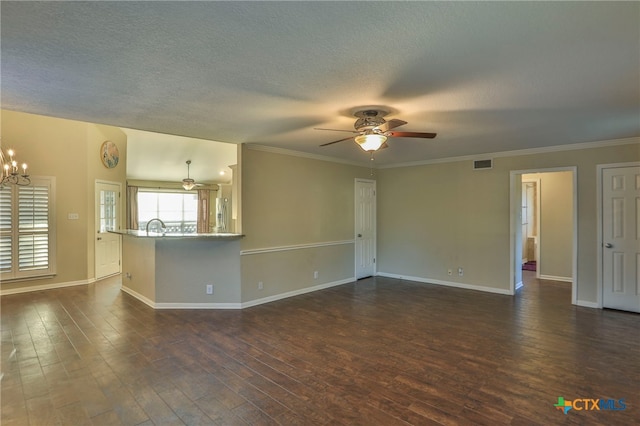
(499, 154)
(293, 153)
(520, 152)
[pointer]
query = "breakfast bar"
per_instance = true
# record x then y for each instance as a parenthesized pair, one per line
(193, 271)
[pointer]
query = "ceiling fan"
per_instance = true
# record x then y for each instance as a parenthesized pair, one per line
(373, 130)
(187, 183)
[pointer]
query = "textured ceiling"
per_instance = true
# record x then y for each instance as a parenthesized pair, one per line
(485, 76)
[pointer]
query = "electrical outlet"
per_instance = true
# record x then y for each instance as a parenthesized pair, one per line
(315, 275)
(460, 272)
(128, 275)
(209, 288)
(260, 285)
(450, 272)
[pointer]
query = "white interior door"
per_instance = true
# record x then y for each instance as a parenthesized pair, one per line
(107, 245)
(621, 238)
(365, 227)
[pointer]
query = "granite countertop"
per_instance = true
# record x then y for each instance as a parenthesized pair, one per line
(173, 236)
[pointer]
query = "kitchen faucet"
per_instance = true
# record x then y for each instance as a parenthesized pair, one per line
(164, 227)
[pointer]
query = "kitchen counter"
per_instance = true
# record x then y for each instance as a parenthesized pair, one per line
(211, 236)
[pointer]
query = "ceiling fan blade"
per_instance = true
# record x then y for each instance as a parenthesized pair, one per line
(412, 135)
(336, 130)
(339, 140)
(391, 124)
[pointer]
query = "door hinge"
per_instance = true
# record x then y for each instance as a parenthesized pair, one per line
(374, 260)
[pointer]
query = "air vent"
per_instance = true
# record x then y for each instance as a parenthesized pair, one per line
(482, 164)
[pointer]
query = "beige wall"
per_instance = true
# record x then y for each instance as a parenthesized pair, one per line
(556, 223)
(69, 151)
(435, 217)
(431, 218)
(288, 201)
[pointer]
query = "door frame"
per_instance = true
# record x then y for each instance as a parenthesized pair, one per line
(515, 223)
(375, 228)
(599, 218)
(537, 219)
(95, 221)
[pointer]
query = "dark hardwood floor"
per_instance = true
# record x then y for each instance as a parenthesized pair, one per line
(375, 352)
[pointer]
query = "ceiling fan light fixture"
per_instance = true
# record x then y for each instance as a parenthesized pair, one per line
(188, 184)
(370, 142)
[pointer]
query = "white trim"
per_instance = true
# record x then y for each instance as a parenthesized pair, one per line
(492, 155)
(519, 285)
(294, 247)
(586, 304)
(296, 292)
(293, 153)
(519, 152)
(28, 289)
(599, 267)
(138, 296)
(198, 306)
(556, 278)
(448, 283)
(242, 305)
(513, 203)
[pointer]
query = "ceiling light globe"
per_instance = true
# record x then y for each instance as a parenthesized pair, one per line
(371, 142)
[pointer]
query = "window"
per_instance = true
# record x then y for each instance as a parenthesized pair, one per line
(27, 237)
(178, 210)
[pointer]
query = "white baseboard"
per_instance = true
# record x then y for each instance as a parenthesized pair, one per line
(519, 285)
(586, 304)
(448, 283)
(555, 278)
(296, 292)
(160, 305)
(40, 287)
(138, 296)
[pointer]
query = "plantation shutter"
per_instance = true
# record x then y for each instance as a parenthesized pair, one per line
(27, 236)
(6, 257)
(33, 227)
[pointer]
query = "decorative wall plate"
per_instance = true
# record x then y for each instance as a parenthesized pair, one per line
(109, 154)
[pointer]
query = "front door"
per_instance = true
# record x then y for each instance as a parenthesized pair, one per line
(620, 236)
(107, 245)
(365, 228)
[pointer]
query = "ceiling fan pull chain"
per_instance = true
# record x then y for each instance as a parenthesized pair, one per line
(371, 162)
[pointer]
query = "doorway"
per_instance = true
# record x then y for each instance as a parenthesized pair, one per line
(552, 239)
(365, 228)
(530, 223)
(107, 246)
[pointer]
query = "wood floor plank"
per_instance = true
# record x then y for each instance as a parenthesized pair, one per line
(375, 352)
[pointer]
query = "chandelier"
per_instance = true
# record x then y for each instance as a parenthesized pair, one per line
(10, 171)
